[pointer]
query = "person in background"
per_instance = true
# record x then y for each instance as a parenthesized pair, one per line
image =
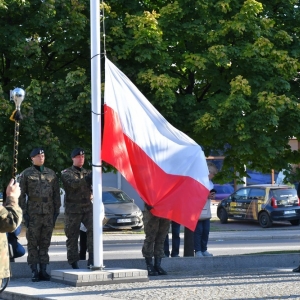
(82, 242)
(77, 183)
(201, 232)
(83, 237)
(40, 202)
(15, 248)
(175, 228)
(156, 229)
(297, 270)
(10, 219)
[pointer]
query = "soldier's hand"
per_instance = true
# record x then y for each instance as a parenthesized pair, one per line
(149, 207)
(13, 193)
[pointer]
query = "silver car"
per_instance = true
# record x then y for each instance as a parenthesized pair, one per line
(120, 210)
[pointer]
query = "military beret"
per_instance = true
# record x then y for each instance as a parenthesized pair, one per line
(36, 151)
(77, 151)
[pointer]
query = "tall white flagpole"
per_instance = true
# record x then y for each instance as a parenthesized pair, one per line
(98, 213)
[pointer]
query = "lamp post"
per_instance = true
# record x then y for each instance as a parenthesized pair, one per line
(17, 96)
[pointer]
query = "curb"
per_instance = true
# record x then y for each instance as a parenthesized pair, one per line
(176, 265)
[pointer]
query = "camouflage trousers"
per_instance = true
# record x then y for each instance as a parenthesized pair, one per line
(72, 231)
(156, 229)
(38, 234)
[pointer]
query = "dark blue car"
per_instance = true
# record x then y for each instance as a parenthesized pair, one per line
(264, 203)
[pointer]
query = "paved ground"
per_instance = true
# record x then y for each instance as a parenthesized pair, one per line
(228, 277)
(242, 284)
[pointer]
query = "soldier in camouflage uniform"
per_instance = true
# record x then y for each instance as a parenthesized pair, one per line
(10, 219)
(40, 202)
(77, 183)
(156, 229)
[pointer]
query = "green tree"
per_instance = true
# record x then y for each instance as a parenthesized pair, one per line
(224, 72)
(44, 47)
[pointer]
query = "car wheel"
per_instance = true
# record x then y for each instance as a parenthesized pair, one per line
(223, 216)
(264, 220)
(295, 222)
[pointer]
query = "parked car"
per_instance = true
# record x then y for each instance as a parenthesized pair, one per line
(264, 203)
(223, 191)
(120, 210)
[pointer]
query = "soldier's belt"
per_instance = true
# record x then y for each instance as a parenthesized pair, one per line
(39, 199)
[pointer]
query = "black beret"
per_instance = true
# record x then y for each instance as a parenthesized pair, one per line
(36, 151)
(77, 151)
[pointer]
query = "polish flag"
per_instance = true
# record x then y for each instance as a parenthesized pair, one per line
(166, 167)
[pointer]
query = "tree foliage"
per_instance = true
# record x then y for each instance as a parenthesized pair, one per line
(45, 50)
(224, 72)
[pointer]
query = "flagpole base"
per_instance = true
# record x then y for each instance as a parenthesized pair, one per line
(84, 277)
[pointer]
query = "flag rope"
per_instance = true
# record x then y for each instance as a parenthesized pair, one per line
(103, 26)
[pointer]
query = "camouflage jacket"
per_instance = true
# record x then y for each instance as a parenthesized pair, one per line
(40, 193)
(10, 219)
(78, 193)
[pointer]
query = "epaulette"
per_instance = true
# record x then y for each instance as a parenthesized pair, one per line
(63, 171)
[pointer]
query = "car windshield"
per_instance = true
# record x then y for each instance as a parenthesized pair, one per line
(115, 197)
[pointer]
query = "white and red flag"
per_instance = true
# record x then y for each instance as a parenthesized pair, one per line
(166, 167)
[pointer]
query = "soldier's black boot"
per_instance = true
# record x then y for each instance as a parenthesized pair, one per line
(157, 267)
(35, 273)
(297, 270)
(43, 275)
(74, 265)
(90, 263)
(150, 268)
